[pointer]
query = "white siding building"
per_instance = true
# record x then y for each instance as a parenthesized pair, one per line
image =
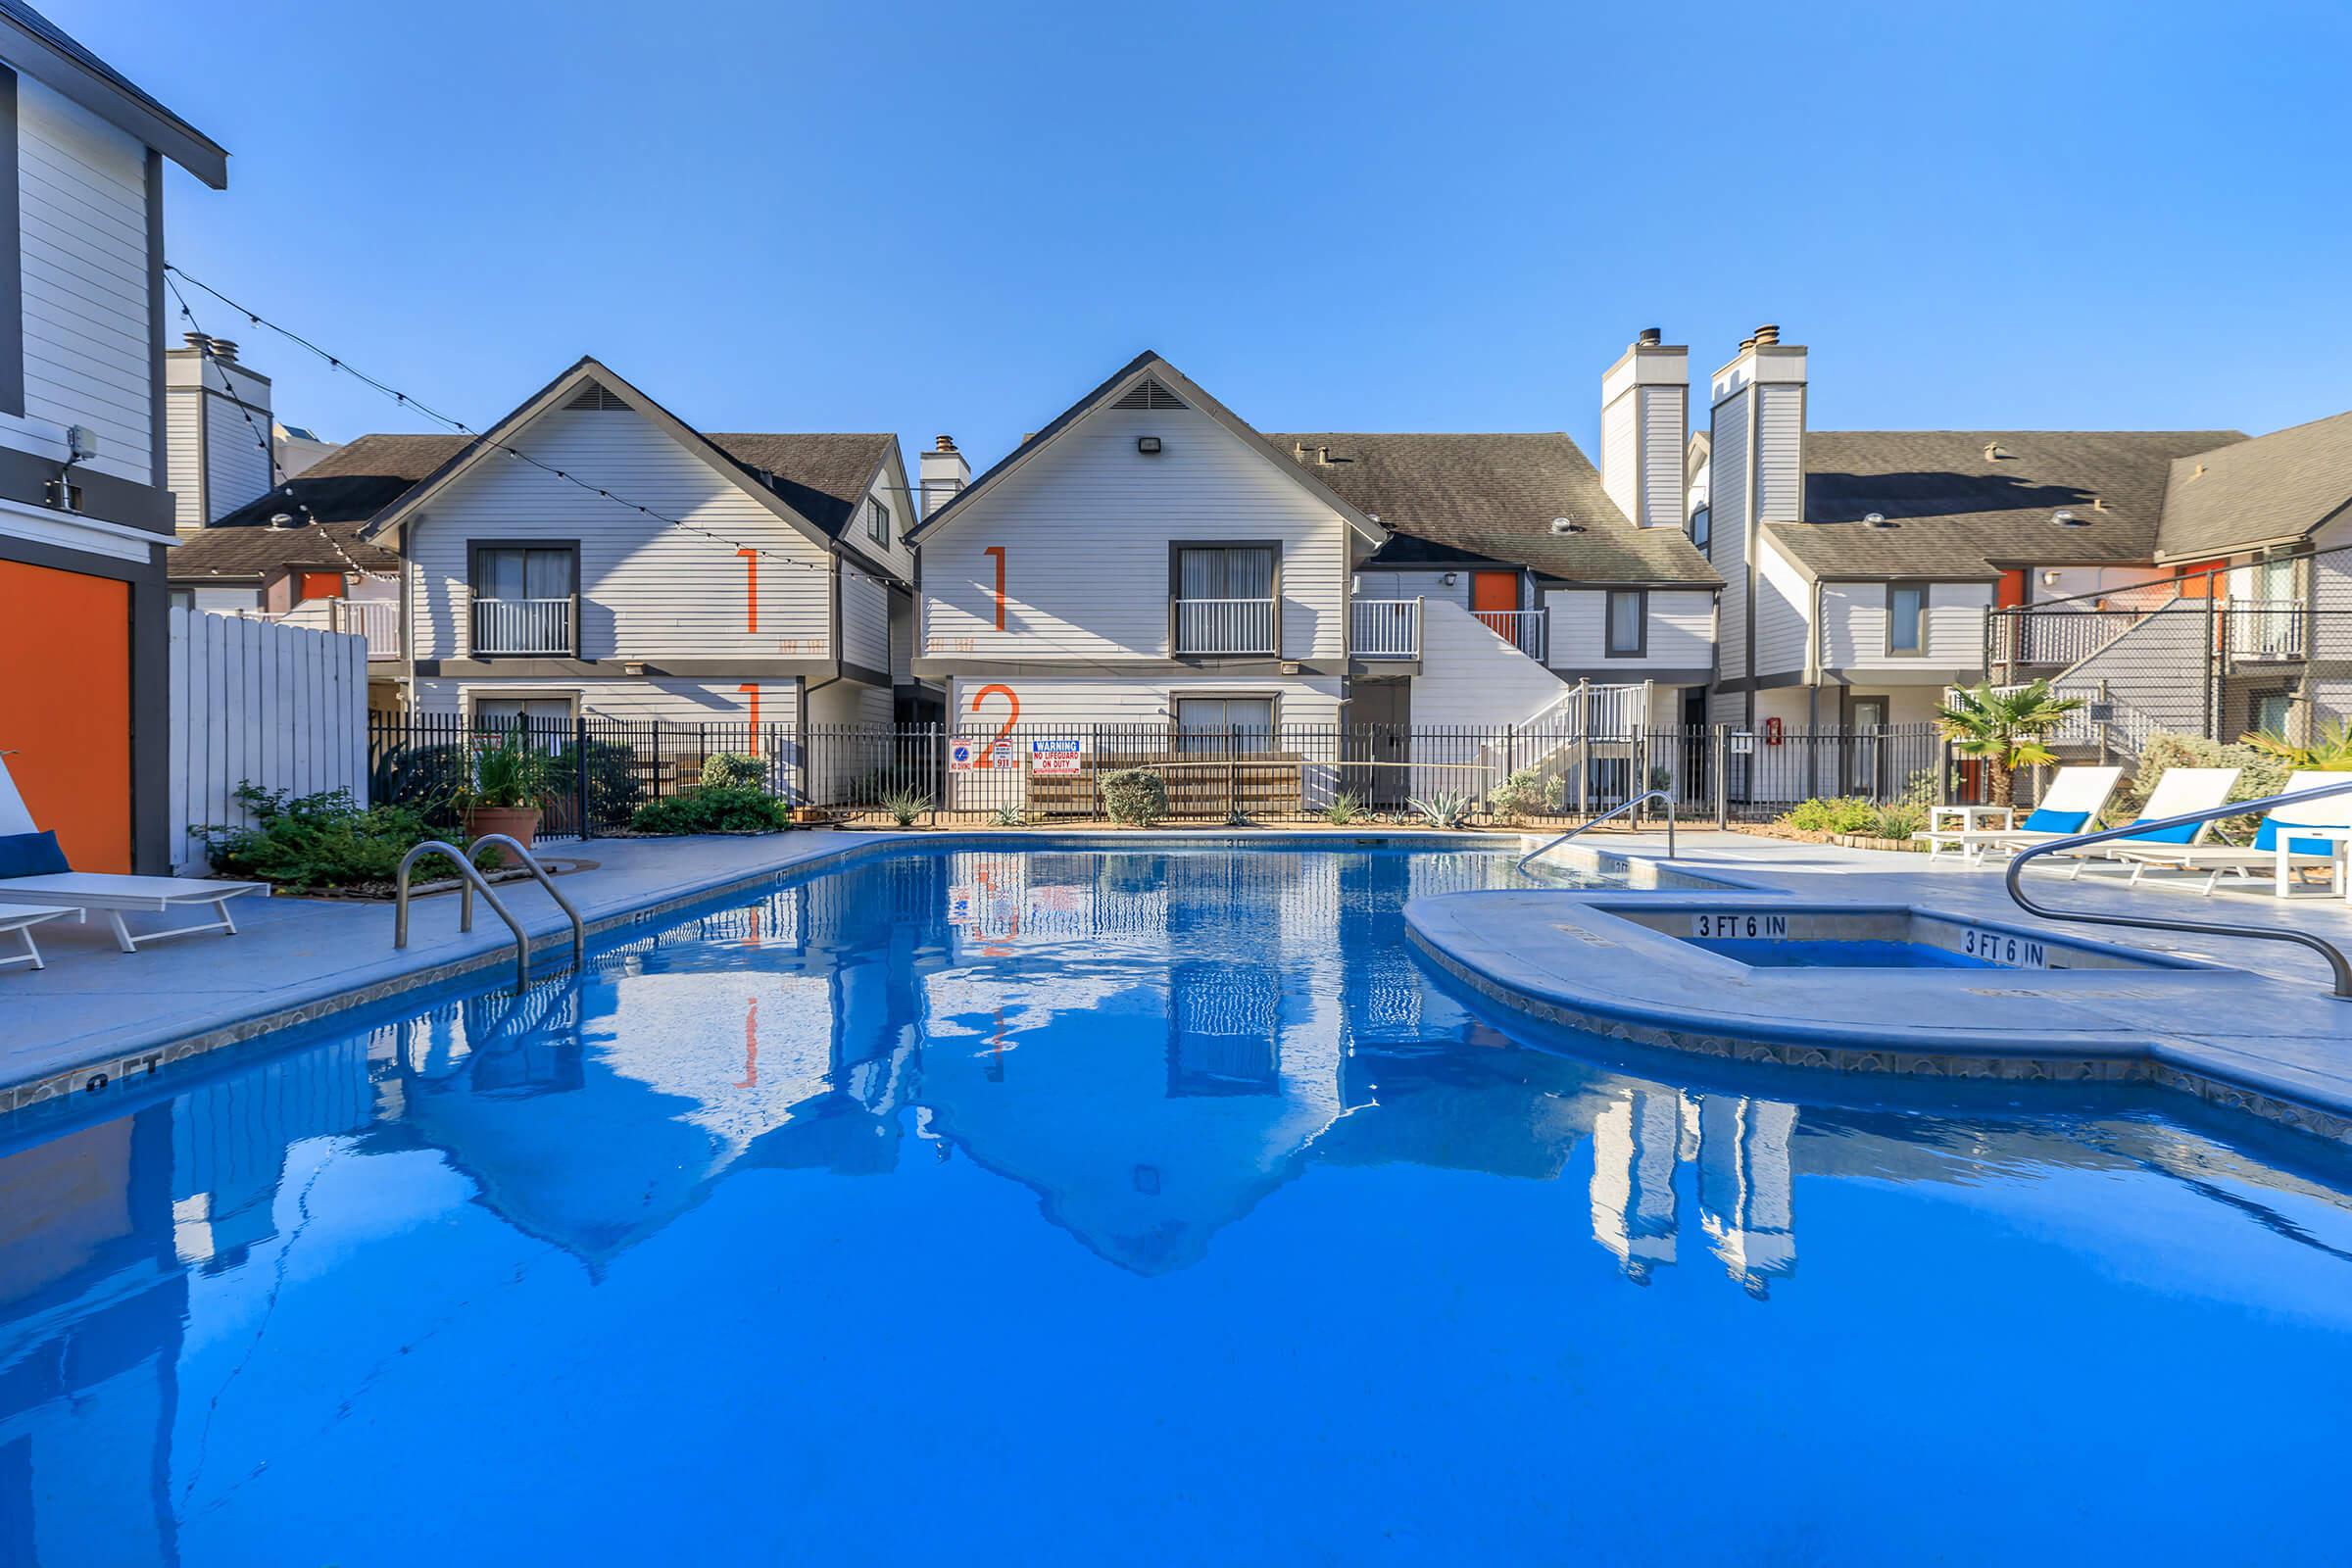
(625, 567)
(85, 505)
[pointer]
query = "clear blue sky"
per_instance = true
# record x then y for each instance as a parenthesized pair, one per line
(916, 219)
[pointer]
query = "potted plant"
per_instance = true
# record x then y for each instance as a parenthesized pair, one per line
(510, 780)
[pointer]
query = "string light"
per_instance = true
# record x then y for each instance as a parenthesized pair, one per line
(409, 401)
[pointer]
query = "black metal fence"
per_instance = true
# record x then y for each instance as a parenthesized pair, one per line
(600, 772)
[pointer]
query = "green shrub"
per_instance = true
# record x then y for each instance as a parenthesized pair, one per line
(714, 809)
(734, 770)
(426, 779)
(614, 789)
(1839, 813)
(1345, 807)
(906, 807)
(1899, 821)
(2260, 773)
(305, 843)
(1517, 795)
(1135, 795)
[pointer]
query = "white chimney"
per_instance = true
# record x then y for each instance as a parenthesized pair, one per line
(219, 452)
(943, 472)
(1645, 417)
(1759, 405)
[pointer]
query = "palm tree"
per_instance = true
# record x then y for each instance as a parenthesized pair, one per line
(2004, 727)
(2330, 749)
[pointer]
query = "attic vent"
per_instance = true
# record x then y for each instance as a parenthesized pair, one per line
(1995, 452)
(594, 399)
(1564, 525)
(2070, 519)
(1149, 394)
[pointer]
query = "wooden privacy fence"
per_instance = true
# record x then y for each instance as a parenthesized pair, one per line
(281, 707)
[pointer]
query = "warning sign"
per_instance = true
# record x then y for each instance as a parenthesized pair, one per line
(1055, 758)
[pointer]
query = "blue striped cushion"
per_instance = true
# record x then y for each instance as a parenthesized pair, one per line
(2266, 839)
(2046, 820)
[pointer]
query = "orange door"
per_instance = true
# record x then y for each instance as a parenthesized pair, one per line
(322, 585)
(1493, 591)
(65, 708)
(2197, 578)
(2012, 588)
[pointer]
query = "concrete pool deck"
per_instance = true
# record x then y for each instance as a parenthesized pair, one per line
(2263, 1033)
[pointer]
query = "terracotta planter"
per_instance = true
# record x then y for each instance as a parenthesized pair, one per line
(518, 823)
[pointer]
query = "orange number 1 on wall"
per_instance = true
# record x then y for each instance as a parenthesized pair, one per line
(751, 589)
(998, 551)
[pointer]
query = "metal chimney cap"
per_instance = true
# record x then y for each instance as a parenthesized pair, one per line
(1767, 333)
(1651, 337)
(943, 443)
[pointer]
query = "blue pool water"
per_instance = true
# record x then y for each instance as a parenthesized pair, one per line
(1759, 952)
(1139, 1207)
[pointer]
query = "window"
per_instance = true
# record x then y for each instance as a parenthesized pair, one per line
(523, 598)
(2271, 714)
(1629, 622)
(877, 520)
(1701, 527)
(1906, 619)
(1224, 598)
(1224, 726)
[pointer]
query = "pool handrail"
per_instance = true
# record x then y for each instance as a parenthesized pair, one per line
(2334, 955)
(1636, 801)
(470, 878)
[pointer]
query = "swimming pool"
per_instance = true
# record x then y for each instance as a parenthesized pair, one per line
(1080, 1206)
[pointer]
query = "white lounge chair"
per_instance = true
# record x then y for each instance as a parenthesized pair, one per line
(2074, 802)
(108, 892)
(2276, 848)
(2179, 791)
(21, 918)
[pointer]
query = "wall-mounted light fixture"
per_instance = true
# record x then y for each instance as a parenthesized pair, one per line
(1451, 579)
(2050, 576)
(1147, 445)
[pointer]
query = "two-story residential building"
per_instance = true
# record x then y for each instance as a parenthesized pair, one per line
(592, 556)
(85, 500)
(1149, 560)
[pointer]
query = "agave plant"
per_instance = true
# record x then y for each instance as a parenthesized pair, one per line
(1445, 809)
(2004, 728)
(1009, 815)
(1345, 807)
(906, 807)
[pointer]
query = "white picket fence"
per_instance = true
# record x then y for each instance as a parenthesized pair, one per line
(283, 708)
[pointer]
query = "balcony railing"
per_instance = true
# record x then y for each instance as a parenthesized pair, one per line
(1386, 629)
(1225, 625)
(2059, 637)
(522, 626)
(377, 619)
(2264, 628)
(1524, 630)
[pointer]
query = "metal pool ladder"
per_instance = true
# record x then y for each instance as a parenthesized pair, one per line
(1639, 801)
(2334, 955)
(470, 879)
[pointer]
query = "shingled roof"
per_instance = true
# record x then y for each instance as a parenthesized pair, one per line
(822, 476)
(1494, 497)
(1969, 503)
(2273, 488)
(258, 554)
(351, 484)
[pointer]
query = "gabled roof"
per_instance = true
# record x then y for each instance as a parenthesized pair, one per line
(1970, 503)
(2268, 490)
(53, 57)
(1128, 377)
(503, 436)
(352, 483)
(1493, 498)
(256, 554)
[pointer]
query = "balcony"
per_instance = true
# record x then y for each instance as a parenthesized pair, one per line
(1225, 625)
(2263, 630)
(1527, 630)
(1384, 628)
(377, 619)
(2057, 637)
(540, 626)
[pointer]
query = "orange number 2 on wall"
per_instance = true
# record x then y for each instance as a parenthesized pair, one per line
(751, 589)
(1012, 717)
(998, 551)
